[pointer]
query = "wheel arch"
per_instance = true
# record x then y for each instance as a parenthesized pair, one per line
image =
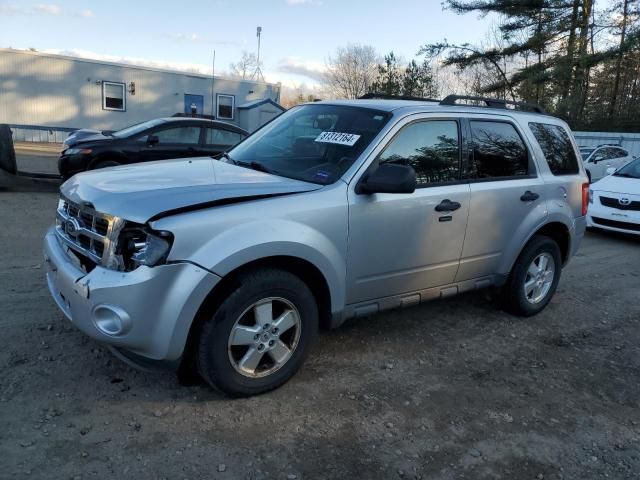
(108, 155)
(303, 269)
(558, 231)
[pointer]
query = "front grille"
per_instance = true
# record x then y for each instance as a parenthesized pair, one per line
(635, 227)
(83, 229)
(614, 203)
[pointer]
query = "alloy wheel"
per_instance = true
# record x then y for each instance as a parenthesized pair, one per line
(264, 337)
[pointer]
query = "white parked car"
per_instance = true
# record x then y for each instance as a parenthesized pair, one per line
(614, 201)
(598, 159)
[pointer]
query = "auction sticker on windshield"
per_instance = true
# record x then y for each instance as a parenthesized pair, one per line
(348, 139)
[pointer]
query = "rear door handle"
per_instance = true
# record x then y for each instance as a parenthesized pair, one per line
(529, 196)
(447, 205)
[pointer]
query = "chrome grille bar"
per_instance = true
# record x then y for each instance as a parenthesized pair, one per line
(80, 228)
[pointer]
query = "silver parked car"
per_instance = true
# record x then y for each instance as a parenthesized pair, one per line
(333, 210)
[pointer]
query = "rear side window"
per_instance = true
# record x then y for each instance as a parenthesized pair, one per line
(430, 147)
(498, 151)
(556, 146)
(216, 136)
(619, 153)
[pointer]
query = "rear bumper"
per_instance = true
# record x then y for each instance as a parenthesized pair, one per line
(147, 312)
(579, 228)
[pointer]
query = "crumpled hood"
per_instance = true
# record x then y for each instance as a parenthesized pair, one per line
(145, 190)
(611, 183)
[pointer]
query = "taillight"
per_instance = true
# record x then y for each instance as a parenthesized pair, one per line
(585, 198)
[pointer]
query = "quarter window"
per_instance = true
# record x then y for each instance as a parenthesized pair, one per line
(182, 135)
(216, 136)
(432, 148)
(113, 96)
(226, 104)
(556, 147)
(498, 151)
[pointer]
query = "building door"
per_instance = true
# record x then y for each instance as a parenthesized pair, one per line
(193, 104)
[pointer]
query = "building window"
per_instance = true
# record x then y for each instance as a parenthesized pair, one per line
(226, 105)
(113, 96)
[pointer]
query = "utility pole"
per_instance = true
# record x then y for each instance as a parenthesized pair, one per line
(213, 74)
(257, 75)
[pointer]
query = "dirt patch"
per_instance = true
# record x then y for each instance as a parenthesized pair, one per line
(450, 389)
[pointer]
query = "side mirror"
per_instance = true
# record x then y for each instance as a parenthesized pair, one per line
(389, 178)
(152, 140)
(611, 170)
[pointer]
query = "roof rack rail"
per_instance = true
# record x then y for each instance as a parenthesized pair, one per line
(494, 103)
(386, 96)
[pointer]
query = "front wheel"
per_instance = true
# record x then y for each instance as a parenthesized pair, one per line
(534, 277)
(260, 335)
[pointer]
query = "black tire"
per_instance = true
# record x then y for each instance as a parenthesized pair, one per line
(104, 164)
(213, 354)
(515, 299)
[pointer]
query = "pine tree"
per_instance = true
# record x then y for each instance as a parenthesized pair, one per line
(389, 80)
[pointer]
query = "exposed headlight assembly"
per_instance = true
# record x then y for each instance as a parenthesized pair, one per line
(154, 250)
(139, 245)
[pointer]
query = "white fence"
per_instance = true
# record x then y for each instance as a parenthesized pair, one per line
(630, 141)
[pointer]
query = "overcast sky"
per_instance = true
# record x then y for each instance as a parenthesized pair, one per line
(297, 36)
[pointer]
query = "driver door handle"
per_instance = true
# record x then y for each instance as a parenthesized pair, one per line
(447, 205)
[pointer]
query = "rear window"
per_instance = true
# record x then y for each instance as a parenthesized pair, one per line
(556, 147)
(498, 151)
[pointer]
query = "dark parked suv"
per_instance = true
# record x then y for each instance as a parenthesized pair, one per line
(158, 139)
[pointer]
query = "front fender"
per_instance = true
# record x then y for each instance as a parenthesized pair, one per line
(246, 243)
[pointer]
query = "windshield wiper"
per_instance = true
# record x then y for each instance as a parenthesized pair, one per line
(252, 165)
(256, 166)
(626, 175)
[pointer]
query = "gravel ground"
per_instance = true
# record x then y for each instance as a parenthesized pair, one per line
(450, 389)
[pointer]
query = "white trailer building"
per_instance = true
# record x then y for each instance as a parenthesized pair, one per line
(45, 95)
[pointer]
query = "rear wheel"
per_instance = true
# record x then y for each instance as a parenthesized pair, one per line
(534, 277)
(260, 335)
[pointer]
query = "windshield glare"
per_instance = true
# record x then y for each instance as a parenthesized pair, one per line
(315, 143)
(630, 170)
(137, 128)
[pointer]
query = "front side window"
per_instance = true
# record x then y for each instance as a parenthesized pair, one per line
(113, 96)
(605, 153)
(181, 135)
(226, 104)
(137, 128)
(431, 147)
(498, 151)
(217, 136)
(315, 142)
(556, 147)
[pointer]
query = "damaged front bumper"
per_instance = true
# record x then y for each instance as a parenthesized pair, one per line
(147, 312)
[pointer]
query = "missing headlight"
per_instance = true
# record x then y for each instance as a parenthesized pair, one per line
(139, 245)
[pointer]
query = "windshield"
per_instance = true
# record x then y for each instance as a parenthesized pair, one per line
(585, 152)
(316, 143)
(630, 170)
(137, 128)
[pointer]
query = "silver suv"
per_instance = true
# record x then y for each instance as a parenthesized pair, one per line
(333, 210)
